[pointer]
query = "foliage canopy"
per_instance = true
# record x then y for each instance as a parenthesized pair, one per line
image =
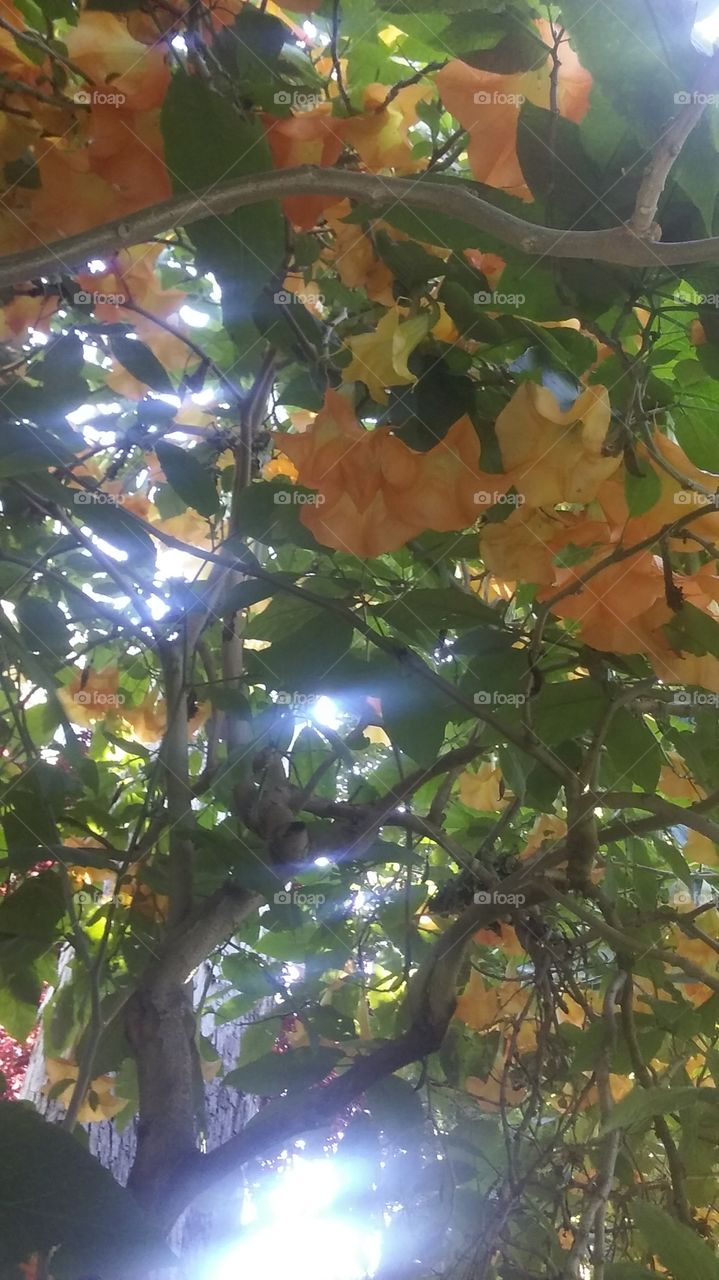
(359, 645)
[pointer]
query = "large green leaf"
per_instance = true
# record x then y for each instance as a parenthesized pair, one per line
(280, 1072)
(54, 1194)
(641, 1105)
(141, 362)
(208, 142)
(189, 478)
(678, 1248)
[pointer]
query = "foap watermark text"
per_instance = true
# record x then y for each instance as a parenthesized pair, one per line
(95, 497)
(685, 98)
(284, 298)
(495, 898)
(487, 698)
(496, 98)
(291, 497)
(94, 698)
(98, 98)
(493, 298)
(293, 698)
(298, 99)
(298, 898)
(88, 298)
(492, 498)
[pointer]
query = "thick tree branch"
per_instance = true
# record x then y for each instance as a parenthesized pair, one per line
(431, 1002)
(211, 924)
(618, 244)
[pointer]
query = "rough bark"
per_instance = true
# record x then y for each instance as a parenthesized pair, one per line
(226, 1113)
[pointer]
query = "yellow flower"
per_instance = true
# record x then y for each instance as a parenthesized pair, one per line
(379, 359)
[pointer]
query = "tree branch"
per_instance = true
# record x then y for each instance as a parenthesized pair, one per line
(431, 1002)
(671, 815)
(618, 244)
(666, 151)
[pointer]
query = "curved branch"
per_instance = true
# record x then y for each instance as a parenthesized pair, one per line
(615, 245)
(671, 815)
(431, 1002)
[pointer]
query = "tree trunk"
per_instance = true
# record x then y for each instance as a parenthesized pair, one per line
(226, 1113)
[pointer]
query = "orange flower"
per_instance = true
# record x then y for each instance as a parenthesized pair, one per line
(519, 549)
(490, 264)
(676, 782)
(442, 489)
(374, 492)
(610, 607)
(102, 46)
(90, 695)
(379, 358)
(674, 498)
(548, 830)
(326, 455)
(311, 137)
(354, 260)
(553, 455)
(24, 313)
(487, 104)
(381, 136)
(148, 720)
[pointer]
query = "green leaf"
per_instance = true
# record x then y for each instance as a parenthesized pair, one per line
(284, 1072)
(44, 628)
(61, 369)
(305, 659)
(396, 1107)
(634, 752)
(193, 482)
(678, 1248)
(627, 1271)
(17, 1016)
(695, 428)
(641, 1105)
(54, 1194)
(207, 141)
(259, 1038)
(566, 710)
(141, 362)
(34, 909)
(642, 492)
(693, 631)
(25, 449)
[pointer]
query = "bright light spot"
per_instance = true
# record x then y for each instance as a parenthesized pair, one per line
(308, 1187)
(91, 413)
(215, 291)
(322, 862)
(173, 563)
(705, 31)
(97, 265)
(296, 1229)
(197, 319)
(175, 401)
(206, 396)
(179, 43)
(309, 29)
(325, 711)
